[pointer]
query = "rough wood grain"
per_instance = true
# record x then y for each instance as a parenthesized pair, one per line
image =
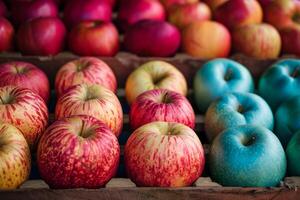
(120, 183)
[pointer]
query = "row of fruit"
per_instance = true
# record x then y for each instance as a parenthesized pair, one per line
(80, 149)
(259, 29)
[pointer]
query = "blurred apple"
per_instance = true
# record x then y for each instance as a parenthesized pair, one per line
(169, 3)
(3, 9)
(213, 4)
(6, 35)
(264, 3)
(290, 38)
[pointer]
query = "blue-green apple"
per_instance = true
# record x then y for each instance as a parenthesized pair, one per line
(293, 155)
(247, 156)
(237, 109)
(280, 82)
(218, 77)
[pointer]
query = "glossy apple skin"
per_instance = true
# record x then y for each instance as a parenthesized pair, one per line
(260, 41)
(280, 82)
(80, 10)
(218, 77)
(206, 40)
(247, 156)
(88, 70)
(293, 156)
(24, 109)
(94, 38)
(41, 36)
(169, 3)
(132, 11)
(290, 37)
(162, 154)
(3, 9)
(154, 75)
(183, 15)
(236, 109)
(213, 4)
(78, 152)
(6, 35)
(93, 100)
(161, 105)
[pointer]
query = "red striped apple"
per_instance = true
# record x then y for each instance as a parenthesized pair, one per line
(93, 100)
(78, 152)
(26, 75)
(88, 70)
(164, 154)
(6, 35)
(15, 157)
(161, 105)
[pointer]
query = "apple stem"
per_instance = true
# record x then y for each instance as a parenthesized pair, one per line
(295, 72)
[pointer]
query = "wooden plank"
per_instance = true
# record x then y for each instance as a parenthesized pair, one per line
(34, 184)
(292, 182)
(120, 183)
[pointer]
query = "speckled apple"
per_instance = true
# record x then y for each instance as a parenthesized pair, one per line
(293, 156)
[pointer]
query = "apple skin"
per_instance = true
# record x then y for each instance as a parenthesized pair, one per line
(93, 100)
(24, 74)
(293, 156)
(144, 36)
(94, 38)
(6, 35)
(218, 77)
(237, 13)
(264, 3)
(183, 15)
(164, 154)
(90, 152)
(170, 3)
(88, 70)
(247, 156)
(161, 105)
(213, 4)
(206, 40)
(42, 36)
(280, 82)
(3, 9)
(132, 11)
(263, 41)
(154, 75)
(290, 37)
(236, 109)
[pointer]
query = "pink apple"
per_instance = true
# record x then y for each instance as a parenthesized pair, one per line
(88, 70)
(78, 152)
(290, 37)
(6, 35)
(3, 9)
(164, 154)
(213, 4)
(25, 75)
(169, 3)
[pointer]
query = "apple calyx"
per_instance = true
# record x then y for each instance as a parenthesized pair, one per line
(228, 74)
(248, 141)
(6, 99)
(296, 72)
(159, 78)
(85, 132)
(81, 65)
(20, 69)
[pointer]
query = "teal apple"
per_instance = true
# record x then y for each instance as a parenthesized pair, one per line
(293, 155)
(247, 156)
(280, 82)
(237, 109)
(218, 77)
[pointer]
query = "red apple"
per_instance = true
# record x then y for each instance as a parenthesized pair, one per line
(169, 3)
(213, 4)
(236, 13)
(41, 36)
(25, 75)
(88, 70)
(15, 157)
(260, 41)
(164, 154)
(93, 100)
(152, 38)
(24, 109)
(132, 11)
(161, 105)
(94, 38)
(80, 10)
(264, 3)
(183, 15)
(78, 152)
(3, 10)
(290, 37)
(6, 35)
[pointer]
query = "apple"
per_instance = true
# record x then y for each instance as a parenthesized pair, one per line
(260, 41)
(152, 38)
(264, 3)
(161, 105)
(290, 38)
(78, 152)
(6, 35)
(247, 156)
(42, 36)
(293, 156)
(237, 13)
(24, 109)
(24, 74)
(94, 38)
(154, 75)
(213, 4)
(80, 10)
(235, 109)
(280, 82)
(206, 40)
(3, 9)
(93, 100)
(183, 15)
(170, 3)
(219, 77)
(164, 154)
(15, 157)
(132, 11)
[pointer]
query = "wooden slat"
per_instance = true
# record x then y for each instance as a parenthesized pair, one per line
(34, 184)
(120, 183)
